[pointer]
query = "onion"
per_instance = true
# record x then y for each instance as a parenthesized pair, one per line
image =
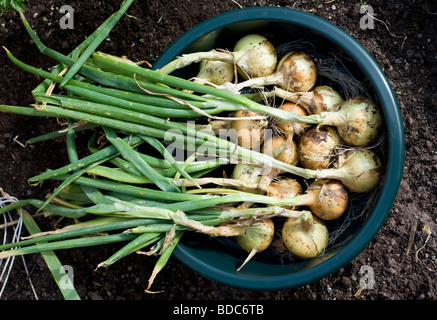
(299, 73)
(288, 156)
(256, 238)
(358, 121)
(284, 188)
(250, 133)
(255, 56)
(296, 71)
(288, 127)
(317, 146)
(305, 238)
(361, 171)
(327, 198)
(216, 72)
(248, 173)
(321, 99)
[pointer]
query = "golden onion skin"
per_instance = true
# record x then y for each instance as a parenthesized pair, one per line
(255, 56)
(289, 156)
(249, 173)
(324, 99)
(316, 147)
(288, 127)
(305, 238)
(299, 73)
(331, 199)
(364, 168)
(283, 189)
(362, 123)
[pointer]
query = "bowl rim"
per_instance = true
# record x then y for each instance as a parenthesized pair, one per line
(395, 137)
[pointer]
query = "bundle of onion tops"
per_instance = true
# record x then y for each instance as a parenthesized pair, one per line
(251, 148)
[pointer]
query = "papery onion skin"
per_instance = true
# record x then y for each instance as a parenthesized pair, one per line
(285, 188)
(330, 199)
(325, 99)
(299, 73)
(289, 155)
(255, 56)
(360, 170)
(365, 168)
(321, 99)
(305, 238)
(316, 147)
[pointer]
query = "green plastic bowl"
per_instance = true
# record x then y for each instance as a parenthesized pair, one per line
(217, 258)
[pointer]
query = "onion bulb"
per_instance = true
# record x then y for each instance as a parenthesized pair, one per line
(255, 56)
(299, 73)
(250, 133)
(215, 72)
(305, 238)
(295, 72)
(248, 173)
(256, 238)
(285, 188)
(326, 198)
(360, 172)
(289, 156)
(358, 121)
(320, 99)
(289, 127)
(316, 147)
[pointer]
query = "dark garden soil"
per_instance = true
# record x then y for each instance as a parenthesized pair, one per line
(403, 42)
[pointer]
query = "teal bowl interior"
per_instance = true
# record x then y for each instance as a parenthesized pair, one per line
(218, 258)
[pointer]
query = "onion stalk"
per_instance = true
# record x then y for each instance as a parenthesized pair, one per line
(349, 118)
(358, 119)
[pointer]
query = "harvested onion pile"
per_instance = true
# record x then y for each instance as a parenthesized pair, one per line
(294, 151)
